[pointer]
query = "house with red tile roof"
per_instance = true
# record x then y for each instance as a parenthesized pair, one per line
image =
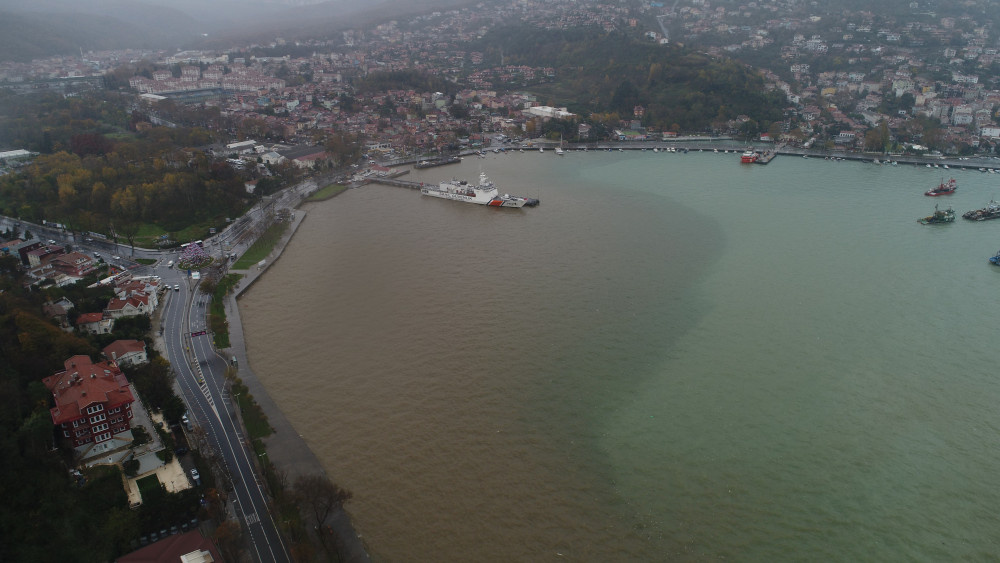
(93, 402)
(42, 254)
(135, 304)
(126, 353)
(189, 547)
(95, 323)
(145, 286)
(75, 264)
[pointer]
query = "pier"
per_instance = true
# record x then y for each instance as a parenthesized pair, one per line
(394, 181)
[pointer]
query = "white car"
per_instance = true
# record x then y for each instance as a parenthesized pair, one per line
(177, 288)
(195, 475)
(117, 257)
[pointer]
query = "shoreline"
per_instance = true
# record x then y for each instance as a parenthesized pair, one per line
(286, 448)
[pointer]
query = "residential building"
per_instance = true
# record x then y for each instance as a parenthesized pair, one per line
(190, 547)
(126, 353)
(93, 401)
(130, 306)
(95, 323)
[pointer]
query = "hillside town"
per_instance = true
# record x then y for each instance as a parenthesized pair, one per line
(843, 75)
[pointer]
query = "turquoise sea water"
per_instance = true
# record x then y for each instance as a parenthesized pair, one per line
(674, 357)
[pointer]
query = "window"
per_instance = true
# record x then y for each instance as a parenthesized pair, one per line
(98, 418)
(100, 427)
(95, 408)
(102, 437)
(76, 423)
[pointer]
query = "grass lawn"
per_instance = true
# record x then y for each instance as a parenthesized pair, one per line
(148, 484)
(149, 233)
(146, 261)
(262, 247)
(327, 192)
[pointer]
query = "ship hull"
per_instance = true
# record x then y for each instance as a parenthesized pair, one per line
(492, 202)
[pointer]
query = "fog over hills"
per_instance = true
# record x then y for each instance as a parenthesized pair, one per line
(50, 27)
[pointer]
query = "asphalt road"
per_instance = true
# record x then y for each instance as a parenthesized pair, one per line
(201, 375)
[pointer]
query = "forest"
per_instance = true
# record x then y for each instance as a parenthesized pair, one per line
(54, 516)
(599, 72)
(98, 172)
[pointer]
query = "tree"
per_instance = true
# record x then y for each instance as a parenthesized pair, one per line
(877, 139)
(320, 498)
(131, 467)
(229, 537)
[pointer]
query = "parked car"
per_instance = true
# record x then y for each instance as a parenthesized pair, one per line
(195, 476)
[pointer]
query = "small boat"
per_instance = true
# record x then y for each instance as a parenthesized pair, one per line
(947, 216)
(995, 260)
(944, 188)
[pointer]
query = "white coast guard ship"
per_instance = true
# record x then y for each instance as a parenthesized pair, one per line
(484, 194)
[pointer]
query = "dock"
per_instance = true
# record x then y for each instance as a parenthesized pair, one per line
(765, 157)
(392, 181)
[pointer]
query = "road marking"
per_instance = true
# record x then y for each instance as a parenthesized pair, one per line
(252, 518)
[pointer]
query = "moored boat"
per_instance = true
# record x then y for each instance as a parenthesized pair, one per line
(995, 260)
(749, 157)
(486, 193)
(944, 188)
(946, 216)
(991, 211)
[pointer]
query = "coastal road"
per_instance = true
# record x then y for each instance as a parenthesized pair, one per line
(201, 375)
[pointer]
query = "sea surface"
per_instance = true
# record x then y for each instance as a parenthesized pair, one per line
(675, 357)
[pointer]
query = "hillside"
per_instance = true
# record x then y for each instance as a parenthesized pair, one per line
(600, 72)
(25, 34)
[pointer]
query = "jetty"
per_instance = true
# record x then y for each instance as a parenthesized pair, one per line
(394, 181)
(430, 163)
(765, 157)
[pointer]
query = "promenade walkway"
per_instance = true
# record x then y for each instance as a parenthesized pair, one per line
(286, 448)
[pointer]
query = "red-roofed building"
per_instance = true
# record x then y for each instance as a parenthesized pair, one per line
(132, 306)
(126, 352)
(93, 401)
(191, 547)
(75, 264)
(95, 323)
(43, 254)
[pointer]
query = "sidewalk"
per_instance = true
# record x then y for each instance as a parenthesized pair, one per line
(286, 449)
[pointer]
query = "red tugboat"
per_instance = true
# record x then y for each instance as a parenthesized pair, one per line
(749, 157)
(944, 188)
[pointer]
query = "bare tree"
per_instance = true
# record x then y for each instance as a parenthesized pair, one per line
(229, 537)
(320, 498)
